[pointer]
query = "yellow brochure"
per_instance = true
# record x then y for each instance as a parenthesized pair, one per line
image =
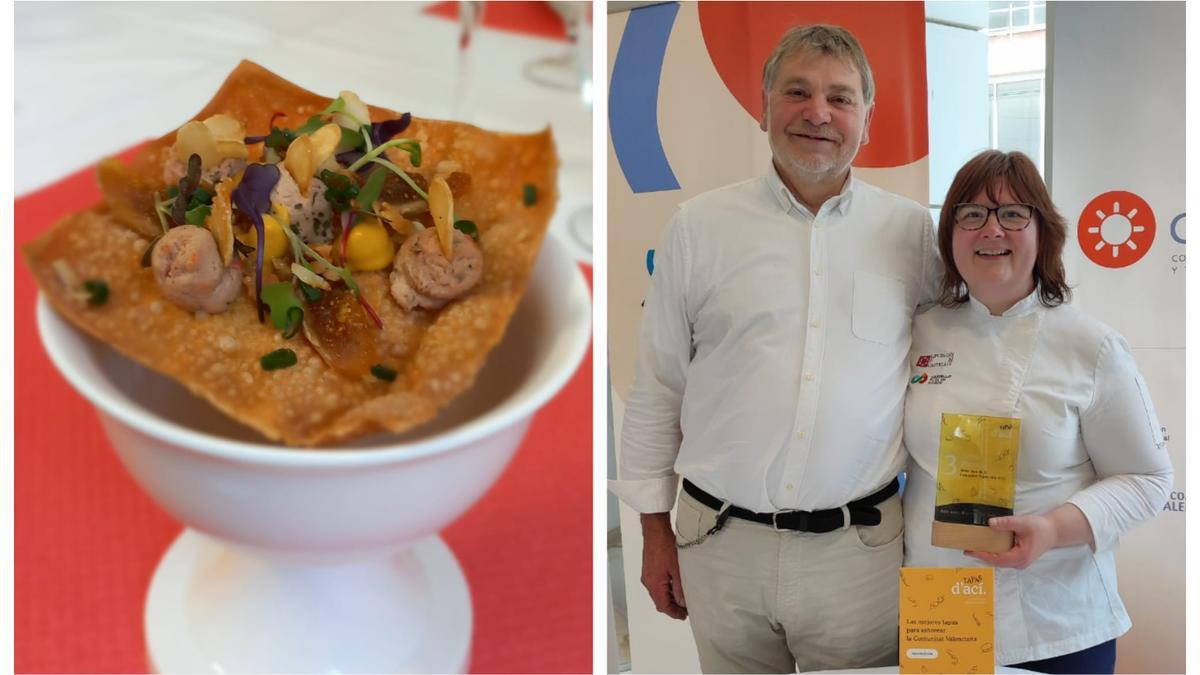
(946, 620)
(976, 480)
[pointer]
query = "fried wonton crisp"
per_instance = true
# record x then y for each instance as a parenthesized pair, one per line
(278, 256)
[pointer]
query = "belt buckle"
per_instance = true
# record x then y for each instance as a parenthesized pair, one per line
(775, 521)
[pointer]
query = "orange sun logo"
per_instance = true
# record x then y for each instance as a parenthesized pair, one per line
(1116, 229)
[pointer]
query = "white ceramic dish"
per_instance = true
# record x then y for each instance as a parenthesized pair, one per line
(308, 560)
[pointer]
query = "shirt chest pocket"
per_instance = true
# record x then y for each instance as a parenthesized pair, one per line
(880, 311)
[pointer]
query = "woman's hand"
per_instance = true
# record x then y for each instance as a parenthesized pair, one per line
(1034, 535)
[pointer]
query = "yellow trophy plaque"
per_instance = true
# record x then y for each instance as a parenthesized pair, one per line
(976, 480)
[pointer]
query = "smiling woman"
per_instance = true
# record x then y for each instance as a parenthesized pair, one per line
(1091, 462)
(1001, 236)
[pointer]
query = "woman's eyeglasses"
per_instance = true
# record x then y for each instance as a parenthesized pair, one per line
(1012, 217)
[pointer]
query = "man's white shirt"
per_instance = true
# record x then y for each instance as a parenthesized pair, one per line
(772, 364)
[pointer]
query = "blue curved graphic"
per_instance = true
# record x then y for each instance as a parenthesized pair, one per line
(633, 99)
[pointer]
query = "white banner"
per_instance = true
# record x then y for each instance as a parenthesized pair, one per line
(1116, 172)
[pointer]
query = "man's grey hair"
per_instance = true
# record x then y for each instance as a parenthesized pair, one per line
(825, 39)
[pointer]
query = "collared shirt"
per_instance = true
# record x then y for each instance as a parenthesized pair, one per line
(1089, 436)
(771, 365)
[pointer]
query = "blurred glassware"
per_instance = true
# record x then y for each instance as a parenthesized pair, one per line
(571, 70)
(470, 16)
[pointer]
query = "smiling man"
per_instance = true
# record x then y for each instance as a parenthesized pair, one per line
(770, 378)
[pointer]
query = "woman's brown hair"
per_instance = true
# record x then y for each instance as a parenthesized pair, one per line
(991, 171)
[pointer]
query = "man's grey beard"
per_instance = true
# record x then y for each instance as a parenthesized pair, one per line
(816, 169)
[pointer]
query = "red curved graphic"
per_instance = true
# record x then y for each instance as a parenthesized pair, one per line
(1116, 229)
(740, 37)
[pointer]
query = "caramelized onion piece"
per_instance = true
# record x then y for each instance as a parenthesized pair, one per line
(342, 332)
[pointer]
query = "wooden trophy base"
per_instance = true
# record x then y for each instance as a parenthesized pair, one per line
(971, 537)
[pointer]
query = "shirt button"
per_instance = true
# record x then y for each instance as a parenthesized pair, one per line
(790, 486)
(817, 273)
(799, 434)
(810, 377)
(816, 324)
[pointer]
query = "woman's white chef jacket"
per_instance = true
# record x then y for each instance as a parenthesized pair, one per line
(1089, 436)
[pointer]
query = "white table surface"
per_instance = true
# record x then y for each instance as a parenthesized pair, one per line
(95, 78)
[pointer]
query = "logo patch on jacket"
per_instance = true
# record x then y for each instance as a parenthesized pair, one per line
(926, 378)
(935, 360)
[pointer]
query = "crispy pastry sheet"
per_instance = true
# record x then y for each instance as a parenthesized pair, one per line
(437, 354)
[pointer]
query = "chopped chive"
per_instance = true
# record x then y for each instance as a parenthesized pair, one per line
(468, 228)
(97, 291)
(383, 373)
(530, 194)
(280, 358)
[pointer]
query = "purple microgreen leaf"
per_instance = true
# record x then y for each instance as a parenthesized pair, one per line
(253, 198)
(187, 185)
(384, 131)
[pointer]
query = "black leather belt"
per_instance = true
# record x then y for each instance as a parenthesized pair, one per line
(861, 511)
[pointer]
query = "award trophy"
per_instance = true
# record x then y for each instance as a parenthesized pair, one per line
(976, 480)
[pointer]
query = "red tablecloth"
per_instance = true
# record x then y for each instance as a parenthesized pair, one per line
(535, 19)
(87, 539)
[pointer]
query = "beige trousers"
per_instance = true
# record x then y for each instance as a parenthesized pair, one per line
(761, 601)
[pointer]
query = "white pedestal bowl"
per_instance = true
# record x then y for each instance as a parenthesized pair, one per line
(301, 560)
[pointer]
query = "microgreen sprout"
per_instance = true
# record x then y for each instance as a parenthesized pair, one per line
(286, 312)
(161, 208)
(300, 250)
(403, 176)
(148, 254)
(413, 148)
(339, 190)
(369, 192)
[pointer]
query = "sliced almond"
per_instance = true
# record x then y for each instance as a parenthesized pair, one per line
(441, 205)
(446, 167)
(224, 127)
(323, 143)
(394, 218)
(299, 162)
(234, 149)
(220, 219)
(194, 138)
(309, 277)
(354, 114)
